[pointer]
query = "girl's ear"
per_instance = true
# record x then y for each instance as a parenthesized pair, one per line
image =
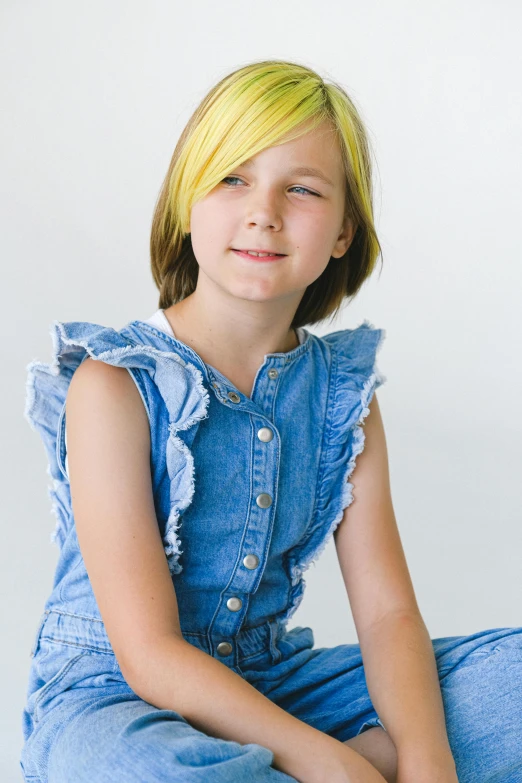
(345, 238)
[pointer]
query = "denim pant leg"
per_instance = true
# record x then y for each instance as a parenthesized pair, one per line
(124, 740)
(324, 687)
(480, 677)
(84, 724)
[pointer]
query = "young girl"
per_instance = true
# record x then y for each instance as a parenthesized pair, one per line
(202, 458)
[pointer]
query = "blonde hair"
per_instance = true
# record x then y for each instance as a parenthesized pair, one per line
(253, 108)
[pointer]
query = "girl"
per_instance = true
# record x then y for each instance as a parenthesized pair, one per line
(202, 458)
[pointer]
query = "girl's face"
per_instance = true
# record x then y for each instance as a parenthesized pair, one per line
(271, 203)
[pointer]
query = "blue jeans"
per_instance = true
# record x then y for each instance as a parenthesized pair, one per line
(88, 726)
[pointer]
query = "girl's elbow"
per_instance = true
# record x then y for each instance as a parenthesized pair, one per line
(147, 664)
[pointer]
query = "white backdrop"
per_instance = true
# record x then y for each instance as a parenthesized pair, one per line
(94, 97)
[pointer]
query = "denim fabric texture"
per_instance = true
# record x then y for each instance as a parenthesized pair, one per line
(248, 491)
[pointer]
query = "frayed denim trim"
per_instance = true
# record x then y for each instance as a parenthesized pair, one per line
(375, 379)
(46, 390)
(370, 385)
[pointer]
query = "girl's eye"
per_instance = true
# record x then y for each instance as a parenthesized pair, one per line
(296, 187)
(231, 178)
(299, 187)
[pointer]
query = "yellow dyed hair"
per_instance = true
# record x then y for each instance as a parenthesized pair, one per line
(255, 107)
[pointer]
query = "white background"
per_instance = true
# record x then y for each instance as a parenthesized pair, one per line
(94, 97)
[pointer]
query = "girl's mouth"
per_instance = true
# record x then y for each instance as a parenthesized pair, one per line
(251, 257)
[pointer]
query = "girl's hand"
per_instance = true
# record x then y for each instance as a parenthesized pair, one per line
(350, 767)
(438, 770)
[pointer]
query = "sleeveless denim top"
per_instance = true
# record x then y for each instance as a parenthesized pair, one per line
(247, 490)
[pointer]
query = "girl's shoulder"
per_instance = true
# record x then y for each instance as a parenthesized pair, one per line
(137, 346)
(358, 345)
(158, 370)
(354, 370)
(356, 374)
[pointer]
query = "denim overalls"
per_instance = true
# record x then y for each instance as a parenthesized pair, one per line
(247, 493)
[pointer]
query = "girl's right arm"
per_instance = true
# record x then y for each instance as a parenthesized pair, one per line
(108, 443)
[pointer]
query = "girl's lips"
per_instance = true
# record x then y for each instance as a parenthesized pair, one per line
(257, 258)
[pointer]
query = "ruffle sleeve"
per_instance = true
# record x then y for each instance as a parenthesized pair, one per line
(180, 385)
(354, 380)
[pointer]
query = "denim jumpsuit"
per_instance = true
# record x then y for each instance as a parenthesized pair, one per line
(247, 491)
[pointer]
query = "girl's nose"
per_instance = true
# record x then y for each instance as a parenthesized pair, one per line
(263, 211)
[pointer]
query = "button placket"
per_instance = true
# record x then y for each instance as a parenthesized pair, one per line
(232, 609)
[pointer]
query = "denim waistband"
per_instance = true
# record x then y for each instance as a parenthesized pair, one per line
(89, 633)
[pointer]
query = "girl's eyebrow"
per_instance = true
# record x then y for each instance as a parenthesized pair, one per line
(302, 171)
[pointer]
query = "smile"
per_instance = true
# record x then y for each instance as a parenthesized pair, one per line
(258, 255)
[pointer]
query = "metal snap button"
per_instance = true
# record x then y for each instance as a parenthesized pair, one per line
(265, 434)
(234, 396)
(251, 561)
(224, 648)
(272, 373)
(234, 604)
(264, 500)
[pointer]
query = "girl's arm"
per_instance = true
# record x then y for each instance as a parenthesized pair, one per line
(108, 441)
(399, 662)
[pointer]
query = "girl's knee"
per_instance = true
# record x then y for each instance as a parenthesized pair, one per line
(376, 746)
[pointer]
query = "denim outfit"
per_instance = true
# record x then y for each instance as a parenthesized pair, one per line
(247, 493)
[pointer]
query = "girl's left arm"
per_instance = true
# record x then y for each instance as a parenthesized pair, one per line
(399, 662)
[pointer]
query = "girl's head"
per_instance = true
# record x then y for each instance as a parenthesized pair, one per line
(261, 123)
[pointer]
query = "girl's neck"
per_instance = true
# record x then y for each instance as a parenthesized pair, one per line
(228, 341)
(236, 359)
